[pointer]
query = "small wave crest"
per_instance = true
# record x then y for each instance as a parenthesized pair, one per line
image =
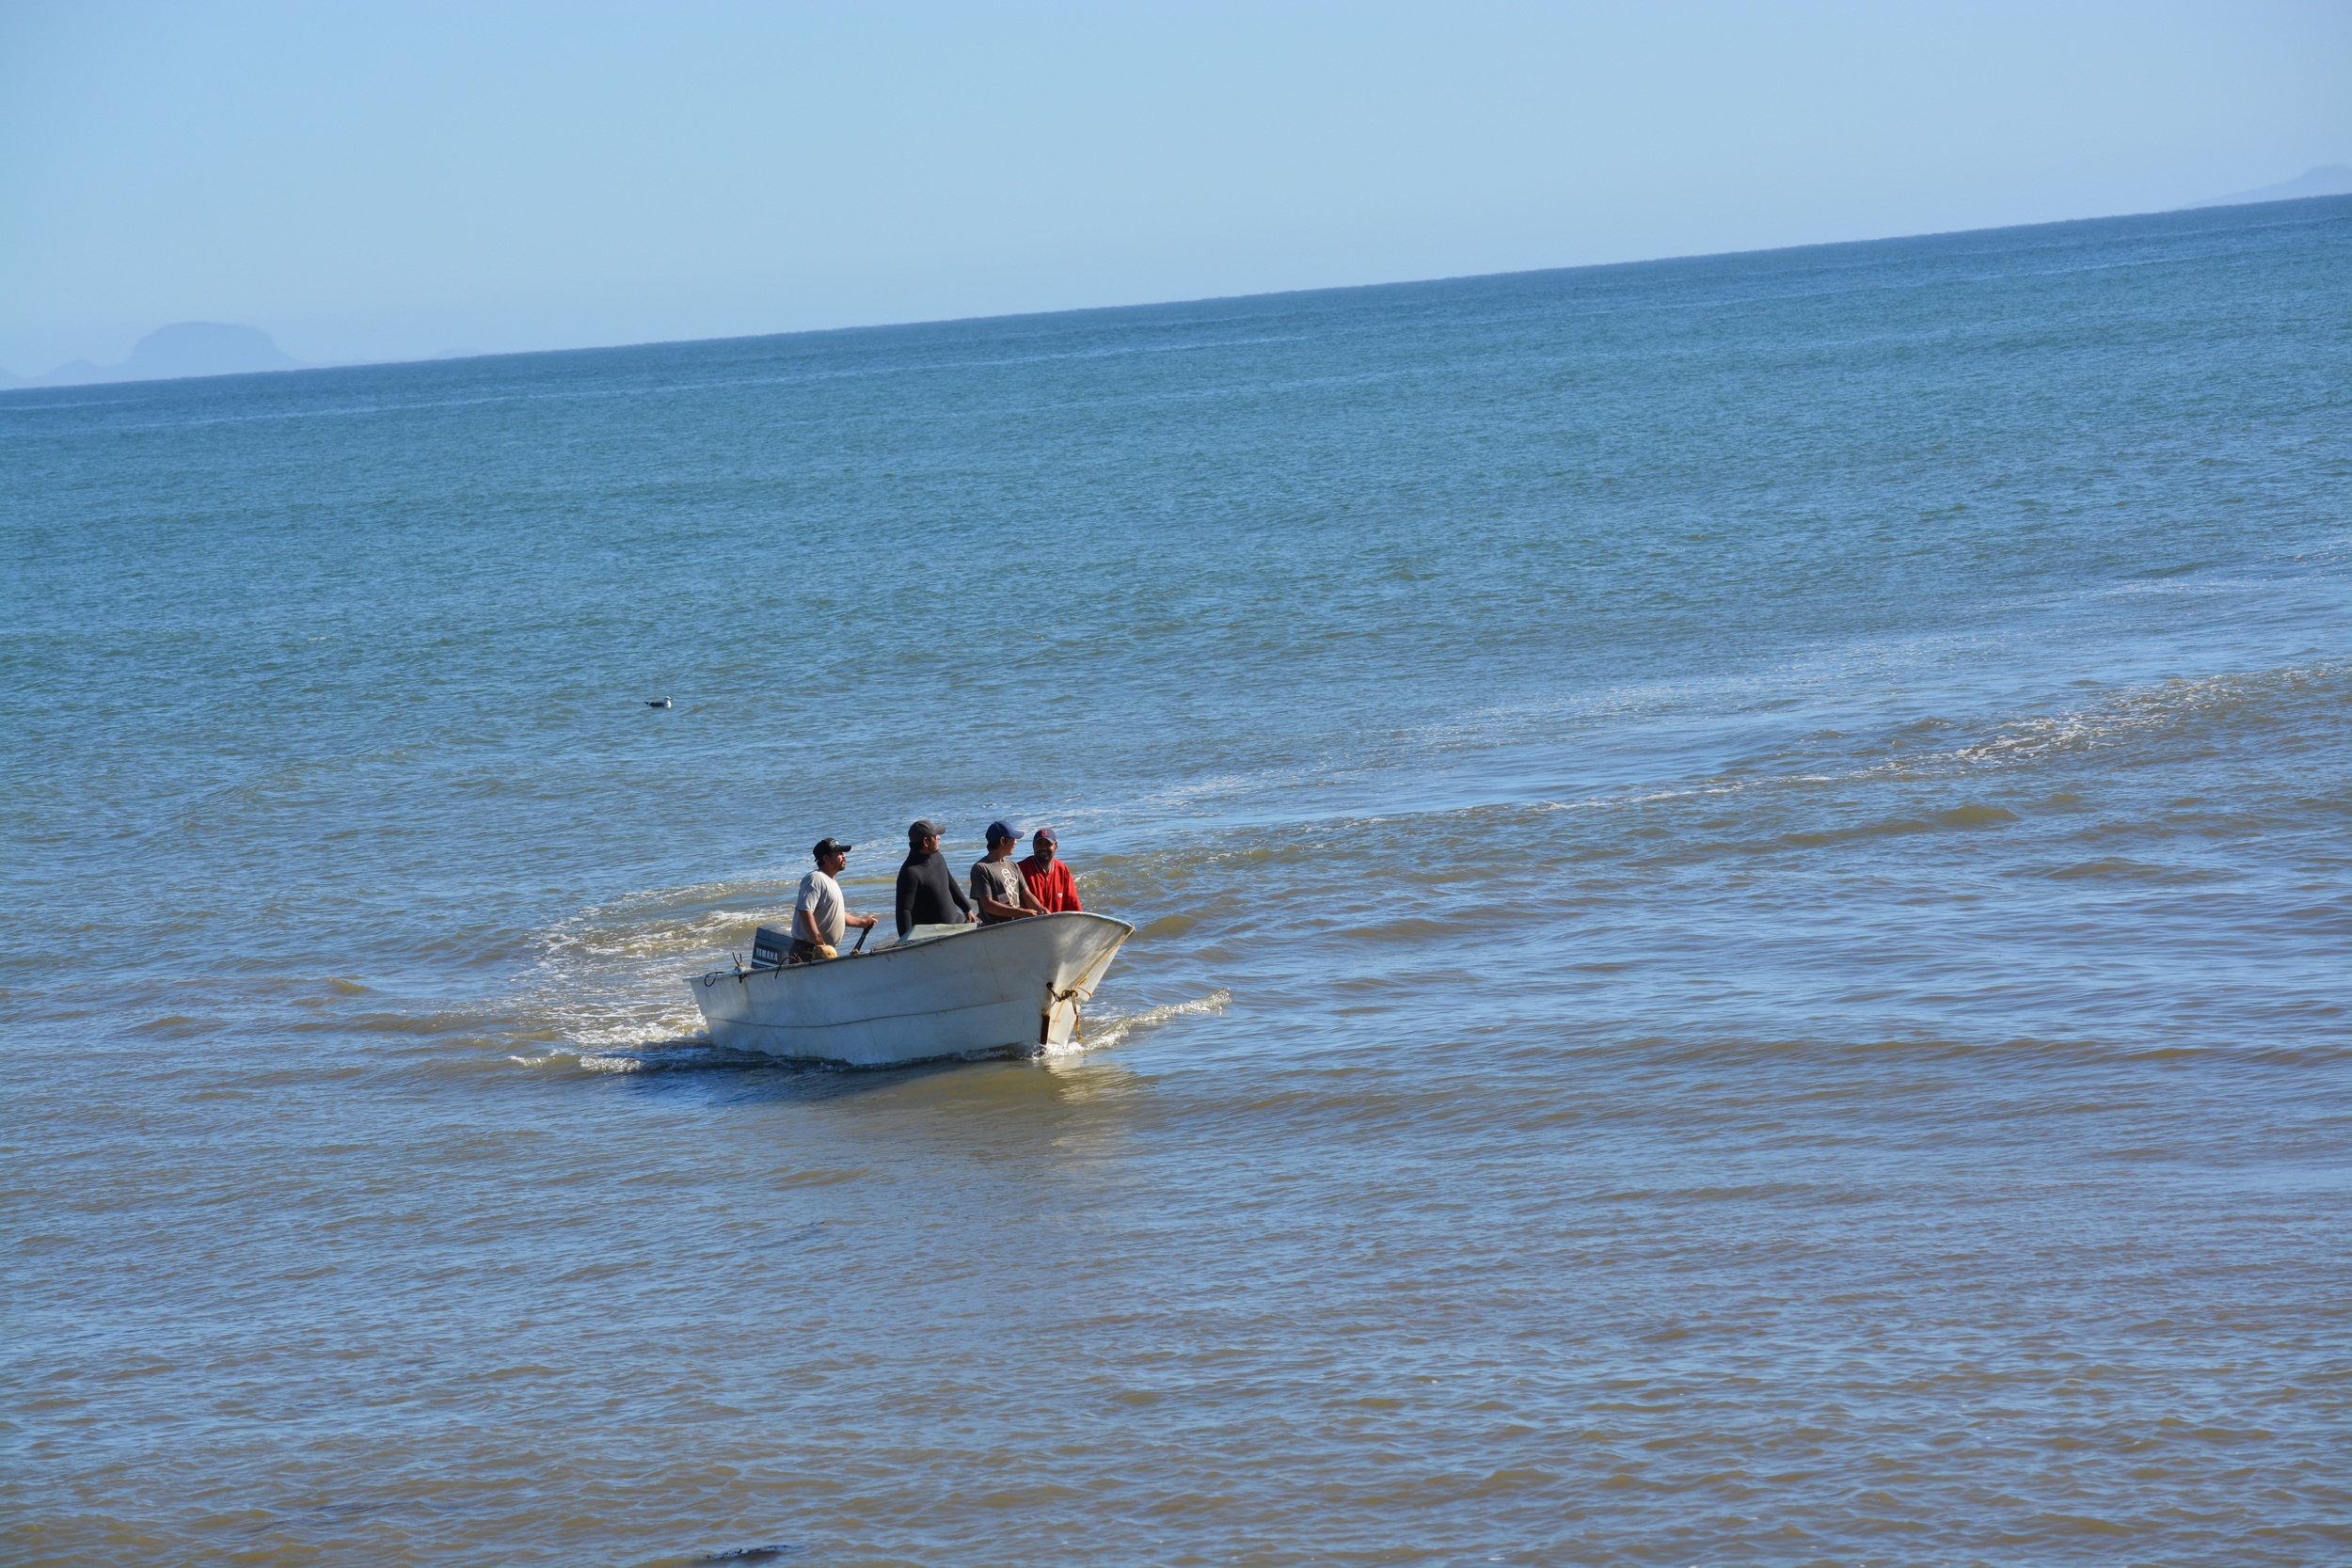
(2299, 699)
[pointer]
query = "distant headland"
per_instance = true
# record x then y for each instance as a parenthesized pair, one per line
(170, 353)
(2326, 179)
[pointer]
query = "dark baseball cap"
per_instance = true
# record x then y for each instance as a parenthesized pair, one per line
(922, 827)
(1045, 836)
(1000, 830)
(830, 846)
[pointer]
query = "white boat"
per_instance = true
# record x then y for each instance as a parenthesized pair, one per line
(945, 990)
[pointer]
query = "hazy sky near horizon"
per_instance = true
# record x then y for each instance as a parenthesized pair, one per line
(389, 181)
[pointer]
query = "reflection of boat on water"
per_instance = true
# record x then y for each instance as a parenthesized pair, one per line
(946, 990)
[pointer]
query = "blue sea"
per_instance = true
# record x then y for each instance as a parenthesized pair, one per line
(1740, 873)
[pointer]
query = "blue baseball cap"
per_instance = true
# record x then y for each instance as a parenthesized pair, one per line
(1000, 830)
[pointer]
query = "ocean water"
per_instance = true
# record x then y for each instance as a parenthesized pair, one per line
(1740, 865)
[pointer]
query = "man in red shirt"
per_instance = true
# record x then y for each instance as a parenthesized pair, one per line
(1049, 880)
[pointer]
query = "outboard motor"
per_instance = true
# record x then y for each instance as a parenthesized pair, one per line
(771, 947)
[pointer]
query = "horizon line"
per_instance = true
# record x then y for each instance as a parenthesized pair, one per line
(1143, 305)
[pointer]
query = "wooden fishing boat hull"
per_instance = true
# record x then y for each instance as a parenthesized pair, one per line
(980, 989)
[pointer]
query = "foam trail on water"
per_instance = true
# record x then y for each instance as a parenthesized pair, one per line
(1118, 1029)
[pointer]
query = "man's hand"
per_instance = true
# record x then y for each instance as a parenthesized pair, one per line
(863, 922)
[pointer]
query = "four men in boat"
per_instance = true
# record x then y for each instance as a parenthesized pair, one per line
(1002, 889)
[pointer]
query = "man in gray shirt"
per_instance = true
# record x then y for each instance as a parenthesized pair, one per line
(997, 886)
(818, 918)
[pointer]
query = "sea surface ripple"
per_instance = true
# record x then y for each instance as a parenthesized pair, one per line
(1740, 868)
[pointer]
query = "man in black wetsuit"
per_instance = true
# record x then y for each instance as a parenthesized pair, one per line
(927, 894)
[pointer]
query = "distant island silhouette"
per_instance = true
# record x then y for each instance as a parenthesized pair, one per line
(182, 349)
(2326, 179)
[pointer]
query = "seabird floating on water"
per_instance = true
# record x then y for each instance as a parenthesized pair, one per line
(659, 702)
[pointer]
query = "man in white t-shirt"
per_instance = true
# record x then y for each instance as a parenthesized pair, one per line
(819, 917)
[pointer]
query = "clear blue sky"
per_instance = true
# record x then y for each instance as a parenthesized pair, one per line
(384, 181)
